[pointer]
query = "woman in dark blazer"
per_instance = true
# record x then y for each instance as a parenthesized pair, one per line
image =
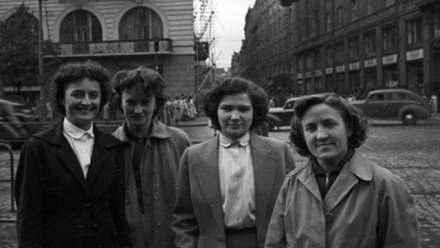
(227, 186)
(70, 178)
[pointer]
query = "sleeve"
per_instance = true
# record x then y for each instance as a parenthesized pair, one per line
(118, 200)
(397, 224)
(29, 195)
(185, 225)
(276, 234)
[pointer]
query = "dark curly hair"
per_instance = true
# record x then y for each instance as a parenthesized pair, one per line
(352, 116)
(74, 72)
(149, 80)
(232, 86)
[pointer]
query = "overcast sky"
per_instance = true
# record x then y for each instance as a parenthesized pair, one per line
(229, 28)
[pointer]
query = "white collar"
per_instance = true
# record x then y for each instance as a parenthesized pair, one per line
(227, 142)
(74, 131)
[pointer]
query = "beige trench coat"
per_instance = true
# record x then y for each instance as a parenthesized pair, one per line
(367, 207)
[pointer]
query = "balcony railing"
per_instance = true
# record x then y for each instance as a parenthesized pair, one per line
(120, 47)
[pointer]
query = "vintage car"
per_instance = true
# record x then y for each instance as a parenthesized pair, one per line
(281, 116)
(16, 123)
(394, 104)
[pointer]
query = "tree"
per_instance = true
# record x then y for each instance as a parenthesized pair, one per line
(19, 48)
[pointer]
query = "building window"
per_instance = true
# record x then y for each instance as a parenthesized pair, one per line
(339, 16)
(140, 24)
(340, 53)
(370, 7)
(300, 65)
(80, 26)
(317, 60)
(389, 3)
(309, 61)
(390, 38)
(328, 16)
(328, 56)
(414, 31)
(436, 26)
(370, 44)
(354, 10)
(353, 47)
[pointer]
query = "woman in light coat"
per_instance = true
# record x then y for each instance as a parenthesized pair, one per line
(339, 198)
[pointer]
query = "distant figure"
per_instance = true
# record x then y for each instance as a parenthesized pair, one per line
(49, 111)
(271, 103)
(434, 103)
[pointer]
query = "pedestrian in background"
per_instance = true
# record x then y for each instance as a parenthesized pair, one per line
(227, 185)
(434, 103)
(152, 152)
(70, 178)
(339, 198)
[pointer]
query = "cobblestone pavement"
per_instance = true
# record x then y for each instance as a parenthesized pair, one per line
(410, 151)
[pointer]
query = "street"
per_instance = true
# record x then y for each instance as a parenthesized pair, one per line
(410, 151)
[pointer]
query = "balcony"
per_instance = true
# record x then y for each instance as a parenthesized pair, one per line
(111, 48)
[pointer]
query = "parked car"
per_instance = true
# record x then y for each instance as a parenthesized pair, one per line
(394, 104)
(281, 116)
(16, 122)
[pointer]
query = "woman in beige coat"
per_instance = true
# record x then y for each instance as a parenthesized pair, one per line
(339, 198)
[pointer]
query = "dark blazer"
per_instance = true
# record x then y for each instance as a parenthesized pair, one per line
(198, 209)
(57, 206)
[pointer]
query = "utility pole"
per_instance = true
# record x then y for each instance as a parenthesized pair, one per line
(40, 52)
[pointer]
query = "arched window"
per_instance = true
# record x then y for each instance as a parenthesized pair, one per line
(140, 24)
(80, 26)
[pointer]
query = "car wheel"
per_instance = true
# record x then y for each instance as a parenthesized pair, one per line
(409, 118)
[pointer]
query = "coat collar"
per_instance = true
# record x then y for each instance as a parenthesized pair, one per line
(67, 156)
(158, 130)
(357, 168)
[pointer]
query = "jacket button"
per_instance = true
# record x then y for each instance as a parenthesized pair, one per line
(156, 196)
(95, 226)
(329, 217)
(158, 223)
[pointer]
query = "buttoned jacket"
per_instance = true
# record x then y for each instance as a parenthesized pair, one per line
(367, 206)
(198, 210)
(58, 206)
(158, 172)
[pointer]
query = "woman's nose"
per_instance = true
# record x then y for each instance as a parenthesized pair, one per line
(138, 108)
(235, 115)
(86, 100)
(322, 133)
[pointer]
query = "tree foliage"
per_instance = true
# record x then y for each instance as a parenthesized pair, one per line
(19, 48)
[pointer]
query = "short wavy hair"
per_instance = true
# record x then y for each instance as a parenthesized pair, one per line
(232, 86)
(353, 119)
(149, 80)
(74, 72)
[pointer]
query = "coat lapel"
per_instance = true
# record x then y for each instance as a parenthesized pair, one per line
(356, 169)
(99, 156)
(264, 177)
(307, 178)
(69, 159)
(207, 174)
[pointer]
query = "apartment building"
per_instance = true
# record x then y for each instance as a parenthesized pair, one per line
(120, 34)
(346, 46)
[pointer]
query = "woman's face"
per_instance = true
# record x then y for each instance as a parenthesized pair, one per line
(235, 114)
(326, 134)
(82, 101)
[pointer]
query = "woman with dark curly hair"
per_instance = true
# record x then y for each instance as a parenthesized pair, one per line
(227, 186)
(70, 178)
(339, 198)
